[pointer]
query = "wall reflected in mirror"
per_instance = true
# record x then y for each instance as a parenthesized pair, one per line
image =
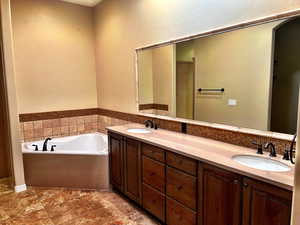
(246, 78)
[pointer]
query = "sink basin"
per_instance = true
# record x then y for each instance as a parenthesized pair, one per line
(261, 163)
(139, 131)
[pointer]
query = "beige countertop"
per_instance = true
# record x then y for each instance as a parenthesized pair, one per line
(210, 151)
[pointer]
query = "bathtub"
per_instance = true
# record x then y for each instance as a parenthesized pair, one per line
(76, 162)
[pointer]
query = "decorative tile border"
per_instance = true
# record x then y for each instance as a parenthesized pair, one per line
(153, 106)
(57, 114)
(35, 127)
(236, 138)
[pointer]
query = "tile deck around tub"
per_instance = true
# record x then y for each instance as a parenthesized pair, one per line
(58, 206)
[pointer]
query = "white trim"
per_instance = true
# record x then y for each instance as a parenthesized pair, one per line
(20, 188)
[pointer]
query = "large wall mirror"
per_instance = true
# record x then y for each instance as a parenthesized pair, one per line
(245, 77)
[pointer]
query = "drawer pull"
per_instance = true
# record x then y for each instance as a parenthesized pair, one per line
(246, 185)
(236, 181)
(152, 174)
(180, 162)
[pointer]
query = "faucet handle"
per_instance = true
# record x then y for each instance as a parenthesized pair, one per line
(259, 148)
(36, 148)
(286, 155)
(52, 148)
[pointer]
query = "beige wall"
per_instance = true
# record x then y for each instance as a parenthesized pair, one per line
(54, 52)
(122, 26)
(239, 61)
(145, 79)
(185, 51)
(296, 196)
(156, 74)
(163, 75)
(185, 89)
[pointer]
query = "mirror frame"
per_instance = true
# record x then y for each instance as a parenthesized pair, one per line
(275, 17)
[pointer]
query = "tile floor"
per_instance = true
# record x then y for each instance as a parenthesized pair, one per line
(5, 187)
(58, 206)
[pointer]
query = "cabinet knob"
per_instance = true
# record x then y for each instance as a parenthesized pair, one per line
(179, 187)
(245, 184)
(236, 181)
(152, 174)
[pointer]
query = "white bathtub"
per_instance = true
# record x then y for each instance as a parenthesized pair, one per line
(85, 144)
(77, 162)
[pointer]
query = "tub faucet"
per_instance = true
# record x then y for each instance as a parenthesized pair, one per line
(45, 144)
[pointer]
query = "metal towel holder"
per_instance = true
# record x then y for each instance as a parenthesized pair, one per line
(211, 89)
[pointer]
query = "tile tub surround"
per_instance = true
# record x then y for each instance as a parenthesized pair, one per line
(68, 126)
(58, 206)
(73, 122)
(210, 151)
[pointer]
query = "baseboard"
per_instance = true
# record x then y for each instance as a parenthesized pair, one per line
(20, 188)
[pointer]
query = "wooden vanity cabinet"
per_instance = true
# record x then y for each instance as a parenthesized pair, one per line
(265, 204)
(227, 198)
(220, 196)
(179, 190)
(116, 161)
(125, 166)
(132, 170)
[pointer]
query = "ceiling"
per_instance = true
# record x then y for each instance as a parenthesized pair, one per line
(90, 3)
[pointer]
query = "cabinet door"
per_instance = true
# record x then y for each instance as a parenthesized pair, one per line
(182, 187)
(219, 196)
(154, 202)
(265, 204)
(132, 163)
(178, 214)
(154, 173)
(115, 144)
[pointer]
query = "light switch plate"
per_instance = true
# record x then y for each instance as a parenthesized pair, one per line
(232, 102)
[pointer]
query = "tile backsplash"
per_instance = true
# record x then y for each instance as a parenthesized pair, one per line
(67, 123)
(40, 129)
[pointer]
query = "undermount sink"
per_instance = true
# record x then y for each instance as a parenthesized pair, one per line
(139, 131)
(261, 163)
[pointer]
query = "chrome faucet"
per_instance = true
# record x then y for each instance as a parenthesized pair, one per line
(45, 144)
(272, 149)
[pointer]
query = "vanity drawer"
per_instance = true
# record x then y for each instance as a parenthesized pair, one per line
(177, 214)
(154, 202)
(154, 173)
(182, 163)
(182, 187)
(153, 152)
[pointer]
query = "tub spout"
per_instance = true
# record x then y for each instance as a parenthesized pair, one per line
(45, 144)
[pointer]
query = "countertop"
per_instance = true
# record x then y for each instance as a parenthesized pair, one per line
(210, 151)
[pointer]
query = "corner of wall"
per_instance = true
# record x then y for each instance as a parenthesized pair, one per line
(8, 48)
